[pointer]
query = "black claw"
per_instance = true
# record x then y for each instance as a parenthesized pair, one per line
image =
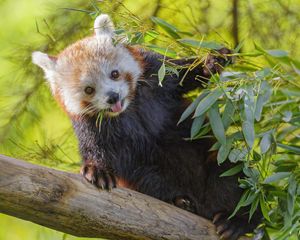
(231, 229)
(185, 203)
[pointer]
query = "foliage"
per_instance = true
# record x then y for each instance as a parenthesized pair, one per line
(252, 110)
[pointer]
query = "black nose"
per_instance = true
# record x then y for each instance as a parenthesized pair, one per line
(113, 97)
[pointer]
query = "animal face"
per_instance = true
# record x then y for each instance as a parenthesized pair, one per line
(93, 75)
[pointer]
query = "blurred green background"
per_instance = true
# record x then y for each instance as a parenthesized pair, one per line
(32, 127)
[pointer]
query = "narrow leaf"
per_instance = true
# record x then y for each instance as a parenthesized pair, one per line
(217, 124)
(228, 114)
(200, 44)
(277, 176)
(277, 53)
(191, 108)
(253, 208)
(164, 51)
(237, 155)
(207, 102)
(232, 171)
(224, 151)
(264, 208)
(197, 124)
(161, 73)
(291, 148)
(241, 202)
(249, 133)
(170, 29)
(265, 142)
(150, 35)
(265, 93)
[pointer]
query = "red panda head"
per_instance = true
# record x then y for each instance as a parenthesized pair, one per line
(93, 74)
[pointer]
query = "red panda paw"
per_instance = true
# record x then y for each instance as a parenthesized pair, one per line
(185, 203)
(101, 177)
(215, 62)
(232, 229)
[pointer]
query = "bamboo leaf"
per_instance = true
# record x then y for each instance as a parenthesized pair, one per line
(207, 102)
(191, 108)
(170, 29)
(164, 51)
(265, 142)
(150, 35)
(224, 151)
(249, 133)
(291, 148)
(200, 44)
(237, 155)
(277, 53)
(253, 208)
(217, 124)
(277, 176)
(197, 124)
(264, 208)
(161, 73)
(241, 203)
(263, 97)
(232, 171)
(228, 114)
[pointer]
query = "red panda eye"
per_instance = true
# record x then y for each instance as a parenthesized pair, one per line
(89, 90)
(115, 74)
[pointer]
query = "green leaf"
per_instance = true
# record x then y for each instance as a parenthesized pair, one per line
(150, 35)
(200, 44)
(216, 146)
(249, 103)
(246, 199)
(228, 114)
(265, 93)
(291, 196)
(217, 124)
(172, 70)
(197, 124)
(191, 108)
(137, 38)
(237, 155)
(265, 142)
(264, 208)
(232, 171)
(208, 101)
(164, 51)
(277, 176)
(253, 208)
(291, 148)
(161, 73)
(277, 53)
(249, 133)
(224, 151)
(170, 29)
(287, 116)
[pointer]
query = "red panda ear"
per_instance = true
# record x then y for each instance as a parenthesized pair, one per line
(104, 26)
(44, 61)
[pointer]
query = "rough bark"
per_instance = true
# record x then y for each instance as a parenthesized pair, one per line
(66, 202)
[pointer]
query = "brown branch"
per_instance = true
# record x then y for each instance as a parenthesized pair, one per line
(65, 202)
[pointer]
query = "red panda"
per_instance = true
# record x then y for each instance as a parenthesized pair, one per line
(138, 143)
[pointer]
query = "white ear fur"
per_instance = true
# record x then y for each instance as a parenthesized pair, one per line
(43, 61)
(103, 25)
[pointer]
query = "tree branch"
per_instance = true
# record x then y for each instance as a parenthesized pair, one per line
(66, 202)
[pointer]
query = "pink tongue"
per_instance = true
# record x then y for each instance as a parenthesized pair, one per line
(117, 107)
